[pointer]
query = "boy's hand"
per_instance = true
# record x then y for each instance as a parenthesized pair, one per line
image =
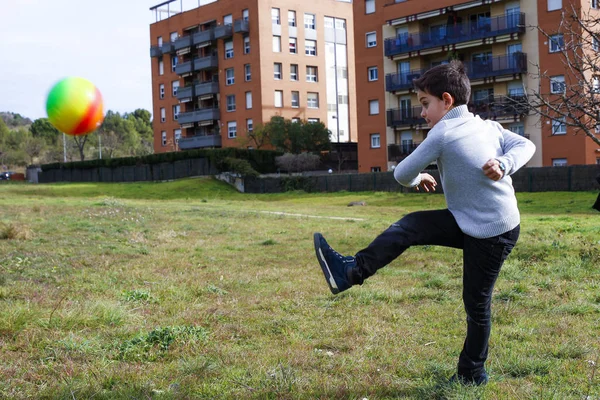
(428, 183)
(492, 170)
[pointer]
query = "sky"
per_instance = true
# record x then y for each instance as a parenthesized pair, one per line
(106, 42)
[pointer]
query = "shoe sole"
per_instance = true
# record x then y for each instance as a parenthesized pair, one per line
(323, 263)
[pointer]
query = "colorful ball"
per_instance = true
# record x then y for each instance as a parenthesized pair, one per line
(75, 107)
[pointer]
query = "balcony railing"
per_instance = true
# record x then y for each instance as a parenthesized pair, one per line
(203, 36)
(241, 26)
(465, 32)
(182, 42)
(155, 51)
(223, 31)
(198, 89)
(197, 142)
(406, 116)
(197, 64)
(204, 114)
(515, 63)
(396, 152)
(167, 47)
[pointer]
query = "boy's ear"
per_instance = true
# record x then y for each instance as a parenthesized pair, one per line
(448, 99)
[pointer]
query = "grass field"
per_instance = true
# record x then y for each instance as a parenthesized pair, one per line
(188, 289)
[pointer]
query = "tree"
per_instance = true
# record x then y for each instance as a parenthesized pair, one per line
(42, 128)
(297, 137)
(576, 101)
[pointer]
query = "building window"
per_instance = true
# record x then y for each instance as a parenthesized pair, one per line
(557, 43)
(174, 87)
(173, 63)
(277, 71)
(309, 21)
(246, 44)
(161, 66)
(292, 18)
(231, 129)
(177, 135)
(373, 107)
(311, 74)
(293, 46)
(276, 44)
(369, 6)
(375, 141)
(295, 120)
(231, 102)
(312, 100)
(248, 100)
(519, 129)
(371, 39)
(278, 98)
(229, 76)
(275, 16)
(595, 85)
(554, 5)
(375, 169)
(295, 99)
(594, 4)
(311, 120)
(595, 44)
(559, 162)
(229, 49)
(373, 74)
(163, 135)
(160, 41)
(559, 126)
(163, 115)
(310, 47)
(294, 72)
(557, 84)
(161, 91)
(249, 125)
(247, 73)
(228, 19)
(245, 15)
(176, 110)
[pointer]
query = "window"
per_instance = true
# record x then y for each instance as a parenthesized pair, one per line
(174, 36)
(228, 19)
(278, 98)
(277, 71)
(160, 41)
(312, 100)
(554, 5)
(275, 16)
(163, 135)
(245, 15)
(595, 44)
(559, 162)
(248, 100)
(518, 128)
(161, 66)
(373, 107)
(247, 73)
(231, 129)
(293, 46)
(292, 18)
(295, 99)
(312, 120)
(557, 43)
(229, 49)
(176, 110)
(163, 115)
(229, 76)
(161, 91)
(173, 63)
(231, 102)
(375, 141)
(294, 72)
(371, 39)
(375, 169)
(295, 120)
(559, 126)
(309, 21)
(595, 84)
(246, 44)
(311, 74)
(249, 125)
(310, 47)
(276, 44)
(557, 84)
(369, 6)
(177, 135)
(373, 74)
(594, 4)
(174, 87)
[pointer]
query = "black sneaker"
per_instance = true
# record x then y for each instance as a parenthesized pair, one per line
(470, 381)
(334, 265)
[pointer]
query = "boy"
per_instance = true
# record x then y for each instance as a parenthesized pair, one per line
(475, 158)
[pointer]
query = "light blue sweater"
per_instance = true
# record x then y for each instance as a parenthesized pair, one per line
(461, 143)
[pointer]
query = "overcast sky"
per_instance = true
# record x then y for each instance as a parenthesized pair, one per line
(106, 42)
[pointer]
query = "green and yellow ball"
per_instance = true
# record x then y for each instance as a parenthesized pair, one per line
(75, 106)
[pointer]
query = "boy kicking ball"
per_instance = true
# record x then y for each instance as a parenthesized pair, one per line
(475, 159)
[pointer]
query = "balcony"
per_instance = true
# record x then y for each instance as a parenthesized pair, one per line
(197, 64)
(197, 142)
(167, 47)
(203, 36)
(182, 42)
(397, 152)
(515, 63)
(155, 51)
(405, 117)
(205, 114)
(465, 32)
(198, 89)
(241, 26)
(223, 31)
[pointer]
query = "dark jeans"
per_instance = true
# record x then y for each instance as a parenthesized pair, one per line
(482, 260)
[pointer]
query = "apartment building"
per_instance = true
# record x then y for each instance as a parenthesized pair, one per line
(397, 40)
(224, 66)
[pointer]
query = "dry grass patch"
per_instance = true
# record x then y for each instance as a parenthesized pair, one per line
(14, 231)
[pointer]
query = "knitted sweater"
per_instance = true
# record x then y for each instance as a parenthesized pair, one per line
(461, 143)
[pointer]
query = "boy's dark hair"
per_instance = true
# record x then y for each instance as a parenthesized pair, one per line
(451, 78)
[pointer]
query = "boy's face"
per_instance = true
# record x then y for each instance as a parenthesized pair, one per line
(434, 108)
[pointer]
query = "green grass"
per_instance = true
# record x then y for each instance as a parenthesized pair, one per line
(190, 290)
